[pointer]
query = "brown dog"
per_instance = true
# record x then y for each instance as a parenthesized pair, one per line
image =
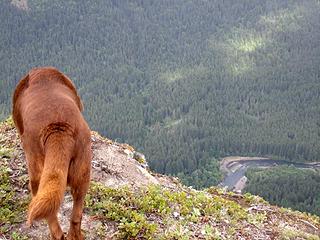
(56, 141)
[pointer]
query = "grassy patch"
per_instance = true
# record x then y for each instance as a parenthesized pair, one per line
(18, 236)
(12, 206)
(158, 213)
(118, 205)
(290, 234)
(5, 152)
(8, 122)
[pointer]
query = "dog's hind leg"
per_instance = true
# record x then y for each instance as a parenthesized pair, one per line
(35, 167)
(76, 216)
(79, 183)
(55, 229)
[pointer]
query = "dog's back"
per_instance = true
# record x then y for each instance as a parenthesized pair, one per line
(44, 96)
(56, 141)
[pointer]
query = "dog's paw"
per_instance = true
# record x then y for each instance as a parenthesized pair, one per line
(61, 238)
(74, 236)
(29, 224)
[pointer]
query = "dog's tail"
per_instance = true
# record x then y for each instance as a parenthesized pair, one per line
(58, 146)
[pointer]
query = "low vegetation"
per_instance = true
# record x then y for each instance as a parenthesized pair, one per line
(155, 212)
(150, 212)
(12, 204)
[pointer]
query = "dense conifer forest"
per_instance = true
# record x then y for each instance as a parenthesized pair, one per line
(288, 187)
(184, 81)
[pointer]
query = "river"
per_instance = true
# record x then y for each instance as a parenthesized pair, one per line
(236, 168)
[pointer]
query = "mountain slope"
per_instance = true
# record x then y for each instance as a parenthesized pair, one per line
(184, 81)
(138, 204)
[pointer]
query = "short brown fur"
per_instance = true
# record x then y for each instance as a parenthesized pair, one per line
(56, 141)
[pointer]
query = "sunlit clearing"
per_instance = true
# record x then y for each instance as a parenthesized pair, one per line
(170, 77)
(183, 73)
(172, 123)
(249, 44)
(284, 20)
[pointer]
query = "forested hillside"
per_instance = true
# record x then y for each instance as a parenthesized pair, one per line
(126, 201)
(182, 81)
(298, 189)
